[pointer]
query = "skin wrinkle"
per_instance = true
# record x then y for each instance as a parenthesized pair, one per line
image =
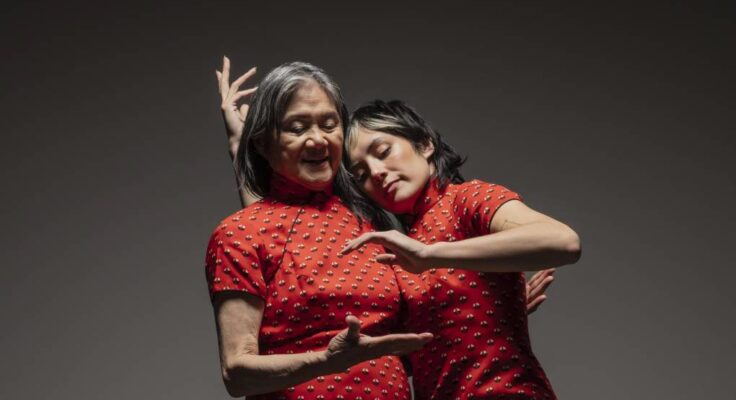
(275, 364)
(509, 222)
(310, 130)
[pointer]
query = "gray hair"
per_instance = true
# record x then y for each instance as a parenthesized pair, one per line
(267, 110)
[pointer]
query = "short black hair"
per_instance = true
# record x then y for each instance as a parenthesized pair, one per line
(398, 118)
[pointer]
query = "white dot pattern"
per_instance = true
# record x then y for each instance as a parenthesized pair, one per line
(284, 249)
(481, 348)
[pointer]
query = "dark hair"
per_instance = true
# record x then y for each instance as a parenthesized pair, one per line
(267, 109)
(397, 118)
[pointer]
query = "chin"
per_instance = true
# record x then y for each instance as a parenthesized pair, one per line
(395, 206)
(403, 204)
(318, 181)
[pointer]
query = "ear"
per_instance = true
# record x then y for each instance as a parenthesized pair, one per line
(428, 149)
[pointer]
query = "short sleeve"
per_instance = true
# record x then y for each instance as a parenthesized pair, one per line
(480, 201)
(233, 262)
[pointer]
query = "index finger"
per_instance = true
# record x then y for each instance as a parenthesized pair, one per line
(357, 242)
(540, 275)
(398, 343)
(241, 79)
(225, 78)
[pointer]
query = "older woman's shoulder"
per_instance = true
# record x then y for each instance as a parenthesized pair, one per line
(262, 216)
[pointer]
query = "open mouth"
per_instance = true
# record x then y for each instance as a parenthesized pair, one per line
(317, 162)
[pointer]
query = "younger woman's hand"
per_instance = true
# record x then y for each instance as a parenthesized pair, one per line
(232, 113)
(410, 254)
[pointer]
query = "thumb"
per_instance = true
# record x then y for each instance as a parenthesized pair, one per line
(353, 334)
(243, 111)
(386, 258)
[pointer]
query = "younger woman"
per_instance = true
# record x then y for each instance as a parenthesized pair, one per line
(461, 264)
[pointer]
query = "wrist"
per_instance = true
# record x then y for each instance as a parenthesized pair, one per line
(432, 257)
(233, 149)
(332, 362)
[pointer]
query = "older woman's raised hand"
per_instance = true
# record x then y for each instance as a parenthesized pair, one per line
(233, 113)
(350, 347)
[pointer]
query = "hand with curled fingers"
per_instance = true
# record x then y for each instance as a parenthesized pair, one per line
(536, 287)
(232, 113)
(410, 254)
(350, 347)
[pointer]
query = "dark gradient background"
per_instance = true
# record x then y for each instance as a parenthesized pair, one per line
(617, 119)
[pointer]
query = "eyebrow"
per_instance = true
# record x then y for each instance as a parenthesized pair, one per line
(301, 115)
(375, 142)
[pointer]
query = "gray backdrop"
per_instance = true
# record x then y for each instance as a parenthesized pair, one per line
(617, 119)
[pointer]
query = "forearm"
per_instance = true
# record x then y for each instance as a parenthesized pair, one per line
(528, 247)
(256, 374)
(246, 197)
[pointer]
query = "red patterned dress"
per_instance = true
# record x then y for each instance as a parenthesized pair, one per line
(481, 348)
(284, 249)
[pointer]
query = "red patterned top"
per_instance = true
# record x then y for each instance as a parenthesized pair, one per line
(481, 348)
(284, 249)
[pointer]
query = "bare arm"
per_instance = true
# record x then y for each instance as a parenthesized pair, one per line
(245, 372)
(521, 240)
(234, 115)
(246, 198)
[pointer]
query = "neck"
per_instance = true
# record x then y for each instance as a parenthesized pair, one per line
(288, 190)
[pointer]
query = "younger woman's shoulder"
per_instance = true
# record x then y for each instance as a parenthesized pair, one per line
(477, 185)
(477, 191)
(471, 186)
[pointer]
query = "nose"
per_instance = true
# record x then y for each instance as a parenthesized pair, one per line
(316, 138)
(378, 170)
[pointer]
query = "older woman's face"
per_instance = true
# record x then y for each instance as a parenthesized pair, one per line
(388, 169)
(308, 148)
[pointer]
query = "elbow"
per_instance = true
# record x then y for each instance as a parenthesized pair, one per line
(570, 246)
(234, 386)
(235, 378)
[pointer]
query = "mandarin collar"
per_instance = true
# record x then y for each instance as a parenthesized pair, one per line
(430, 195)
(287, 191)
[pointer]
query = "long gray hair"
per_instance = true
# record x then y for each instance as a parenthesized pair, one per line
(267, 110)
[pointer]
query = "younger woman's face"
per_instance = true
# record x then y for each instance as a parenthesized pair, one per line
(389, 169)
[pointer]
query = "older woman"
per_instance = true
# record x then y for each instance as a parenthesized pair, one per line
(281, 290)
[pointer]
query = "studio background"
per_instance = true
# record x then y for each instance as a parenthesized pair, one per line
(615, 118)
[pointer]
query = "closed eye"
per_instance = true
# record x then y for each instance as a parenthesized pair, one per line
(296, 128)
(329, 124)
(384, 153)
(329, 128)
